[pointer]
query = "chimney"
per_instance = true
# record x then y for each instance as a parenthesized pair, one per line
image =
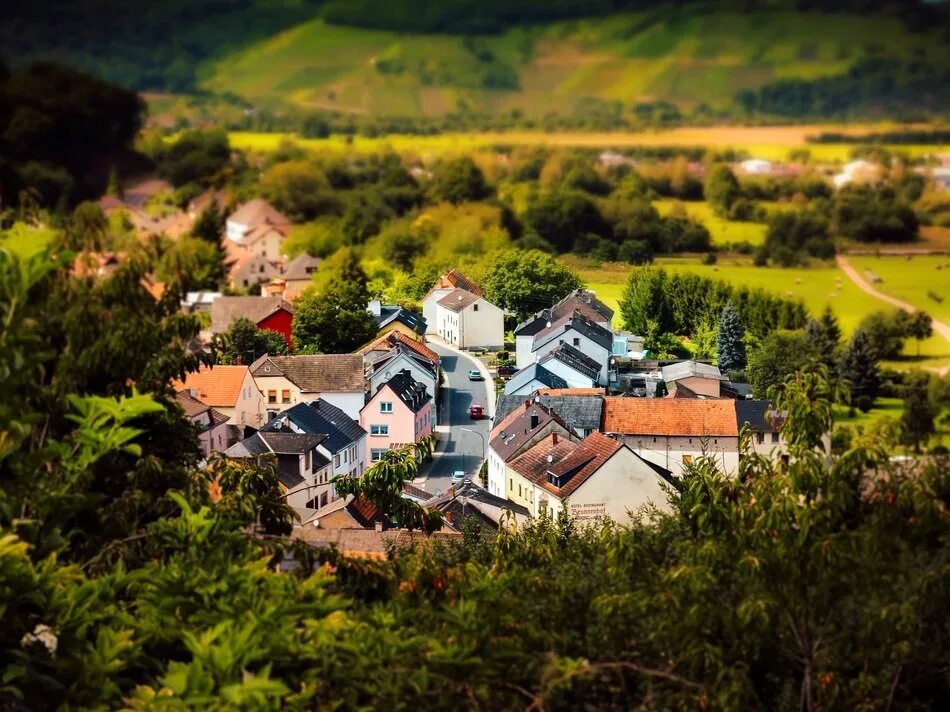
(375, 307)
(239, 360)
(553, 442)
(378, 526)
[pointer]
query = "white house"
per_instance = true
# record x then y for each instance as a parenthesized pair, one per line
(400, 358)
(468, 320)
(765, 424)
(530, 379)
(579, 300)
(260, 224)
(211, 425)
(575, 368)
(345, 441)
(335, 378)
(599, 476)
(673, 432)
(448, 282)
(588, 337)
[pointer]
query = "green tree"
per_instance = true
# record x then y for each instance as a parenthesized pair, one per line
(730, 341)
(334, 321)
(920, 411)
(525, 282)
(459, 180)
(779, 355)
(243, 342)
(825, 335)
(401, 247)
(210, 224)
(300, 189)
(721, 189)
(859, 368)
(920, 327)
(885, 333)
(195, 157)
(645, 300)
(564, 217)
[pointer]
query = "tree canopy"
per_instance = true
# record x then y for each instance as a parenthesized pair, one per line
(526, 281)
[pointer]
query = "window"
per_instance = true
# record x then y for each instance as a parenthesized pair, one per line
(345, 453)
(385, 407)
(379, 430)
(519, 490)
(511, 483)
(577, 341)
(306, 460)
(376, 454)
(271, 396)
(353, 454)
(285, 396)
(760, 437)
(336, 460)
(475, 308)
(687, 459)
(774, 437)
(323, 499)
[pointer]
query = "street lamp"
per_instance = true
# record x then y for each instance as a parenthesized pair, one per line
(484, 447)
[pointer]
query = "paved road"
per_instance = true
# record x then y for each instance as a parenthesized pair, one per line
(460, 450)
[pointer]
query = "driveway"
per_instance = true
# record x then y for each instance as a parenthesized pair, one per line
(458, 449)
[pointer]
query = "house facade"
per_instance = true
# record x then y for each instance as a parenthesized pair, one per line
(401, 358)
(591, 339)
(398, 414)
(230, 390)
(580, 300)
(467, 320)
(698, 378)
(211, 425)
(674, 432)
(765, 425)
(575, 368)
(250, 222)
(273, 313)
(334, 378)
(530, 379)
(448, 282)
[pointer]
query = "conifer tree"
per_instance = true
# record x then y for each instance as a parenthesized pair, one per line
(859, 367)
(730, 345)
(824, 334)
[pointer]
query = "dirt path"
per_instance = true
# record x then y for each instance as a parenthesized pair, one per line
(863, 285)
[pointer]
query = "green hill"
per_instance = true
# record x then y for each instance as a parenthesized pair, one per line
(687, 57)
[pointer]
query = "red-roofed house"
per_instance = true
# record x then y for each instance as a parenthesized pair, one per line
(450, 281)
(272, 313)
(230, 390)
(598, 477)
(672, 432)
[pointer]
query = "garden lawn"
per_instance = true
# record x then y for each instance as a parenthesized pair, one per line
(723, 231)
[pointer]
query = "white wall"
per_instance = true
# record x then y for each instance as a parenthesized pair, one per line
(669, 452)
(421, 375)
(483, 324)
(527, 389)
(496, 474)
(429, 308)
(523, 355)
(584, 345)
(574, 379)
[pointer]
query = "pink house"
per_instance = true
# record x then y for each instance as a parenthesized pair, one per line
(398, 414)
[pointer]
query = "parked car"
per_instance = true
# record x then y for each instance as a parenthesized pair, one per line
(475, 375)
(457, 477)
(507, 371)
(476, 412)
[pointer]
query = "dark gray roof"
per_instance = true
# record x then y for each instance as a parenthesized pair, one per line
(391, 312)
(570, 356)
(529, 373)
(320, 417)
(575, 322)
(301, 267)
(291, 443)
(409, 390)
(397, 349)
(580, 412)
(759, 414)
(580, 300)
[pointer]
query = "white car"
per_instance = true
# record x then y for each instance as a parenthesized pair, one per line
(458, 477)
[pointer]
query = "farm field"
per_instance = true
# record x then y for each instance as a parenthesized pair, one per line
(768, 142)
(817, 286)
(681, 55)
(918, 280)
(722, 231)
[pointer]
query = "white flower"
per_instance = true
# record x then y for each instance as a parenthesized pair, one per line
(41, 634)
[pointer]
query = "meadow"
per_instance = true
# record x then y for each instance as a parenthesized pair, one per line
(768, 142)
(723, 231)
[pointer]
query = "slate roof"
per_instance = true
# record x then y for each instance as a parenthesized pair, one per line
(581, 412)
(401, 349)
(291, 443)
(574, 358)
(458, 299)
(670, 417)
(511, 434)
(225, 310)
(690, 369)
(321, 417)
(580, 464)
(412, 393)
(258, 212)
(579, 300)
(301, 267)
(530, 373)
(315, 373)
(759, 414)
(217, 386)
(574, 322)
(388, 341)
(388, 313)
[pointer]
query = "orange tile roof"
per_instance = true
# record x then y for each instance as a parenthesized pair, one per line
(218, 386)
(533, 463)
(588, 457)
(670, 417)
(454, 279)
(384, 343)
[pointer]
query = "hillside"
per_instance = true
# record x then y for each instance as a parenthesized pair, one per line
(686, 58)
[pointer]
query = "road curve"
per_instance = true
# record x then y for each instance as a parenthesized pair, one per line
(863, 285)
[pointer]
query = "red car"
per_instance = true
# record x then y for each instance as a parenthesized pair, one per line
(476, 412)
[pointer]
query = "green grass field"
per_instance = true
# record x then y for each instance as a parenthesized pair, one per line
(922, 280)
(681, 55)
(722, 231)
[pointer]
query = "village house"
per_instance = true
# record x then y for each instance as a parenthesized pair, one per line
(304, 472)
(294, 279)
(381, 366)
(377, 349)
(247, 270)
(336, 379)
(600, 476)
(230, 390)
(530, 379)
(348, 513)
(580, 408)
(576, 368)
(673, 432)
(210, 424)
(467, 320)
(588, 337)
(345, 442)
(272, 313)
(697, 379)
(392, 317)
(258, 227)
(521, 429)
(398, 414)
(580, 300)
(467, 502)
(448, 282)
(765, 424)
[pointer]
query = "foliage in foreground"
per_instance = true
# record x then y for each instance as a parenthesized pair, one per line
(799, 584)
